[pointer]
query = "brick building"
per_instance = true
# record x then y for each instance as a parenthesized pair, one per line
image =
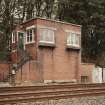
(86, 72)
(54, 48)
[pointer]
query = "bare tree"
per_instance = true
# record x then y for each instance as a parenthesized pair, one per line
(16, 11)
(7, 15)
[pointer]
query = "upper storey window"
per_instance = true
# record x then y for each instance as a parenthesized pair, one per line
(47, 36)
(73, 40)
(30, 36)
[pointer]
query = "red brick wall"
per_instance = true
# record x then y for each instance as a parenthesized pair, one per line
(56, 64)
(86, 69)
(31, 49)
(4, 70)
(30, 72)
(14, 57)
(59, 64)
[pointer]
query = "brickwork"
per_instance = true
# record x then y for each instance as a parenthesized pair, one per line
(30, 72)
(4, 70)
(14, 56)
(31, 49)
(86, 69)
(59, 64)
(56, 63)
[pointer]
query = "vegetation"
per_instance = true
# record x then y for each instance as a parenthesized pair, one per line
(91, 15)
(88, 13)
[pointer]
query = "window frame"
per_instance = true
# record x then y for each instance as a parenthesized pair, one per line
(14, 37)
(74, 37)
(46, 41)
(33, 36)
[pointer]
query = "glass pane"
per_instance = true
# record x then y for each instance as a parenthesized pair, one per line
(30, 31)
(72, 38)
(27, 36)
(52, 36)
(69, 39)
(77, 39)
(47, 35)
(30, 37)
(44, 35)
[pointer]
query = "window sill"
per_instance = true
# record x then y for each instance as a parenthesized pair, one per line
(30, 42)
(73, 47)
(46, 44)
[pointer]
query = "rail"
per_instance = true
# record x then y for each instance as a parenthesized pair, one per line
(49, 91)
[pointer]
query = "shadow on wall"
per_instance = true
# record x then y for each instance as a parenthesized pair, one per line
(30, 72)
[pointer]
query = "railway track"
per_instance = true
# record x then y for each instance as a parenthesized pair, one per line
(45, 92)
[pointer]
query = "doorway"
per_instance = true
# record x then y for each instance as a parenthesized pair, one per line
(21, 41)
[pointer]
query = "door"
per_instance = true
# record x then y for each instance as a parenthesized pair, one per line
(21, 44)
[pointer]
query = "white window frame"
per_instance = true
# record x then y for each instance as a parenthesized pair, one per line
(13, 37)
(31, 27)
(73, 39)
(44, 41)
(33, 36)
